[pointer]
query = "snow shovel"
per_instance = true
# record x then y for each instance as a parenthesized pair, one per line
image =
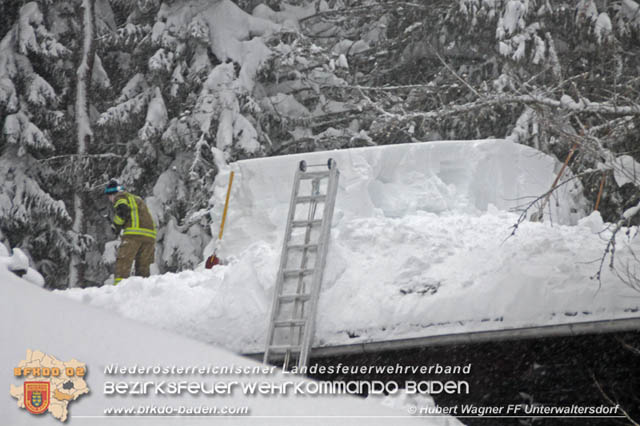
(213, 259)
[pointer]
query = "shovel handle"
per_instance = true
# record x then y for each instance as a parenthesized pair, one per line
(226, 206)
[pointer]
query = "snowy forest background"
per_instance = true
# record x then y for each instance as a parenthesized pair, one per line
(161, 94)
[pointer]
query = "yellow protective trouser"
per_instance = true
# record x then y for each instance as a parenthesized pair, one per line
(134, 248)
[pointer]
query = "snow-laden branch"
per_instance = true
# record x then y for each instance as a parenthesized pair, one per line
(565, 103)
(583, 106)
(72, 157)
(341, 12)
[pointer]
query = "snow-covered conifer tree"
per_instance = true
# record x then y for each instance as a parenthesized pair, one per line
(31, 216)
(185, 98)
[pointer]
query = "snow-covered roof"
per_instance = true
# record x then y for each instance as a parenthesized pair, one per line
(37, 320)
(419, 247)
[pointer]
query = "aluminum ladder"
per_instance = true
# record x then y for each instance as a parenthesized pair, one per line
(302, 262)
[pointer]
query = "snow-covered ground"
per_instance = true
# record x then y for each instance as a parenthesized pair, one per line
(419, 247)
(32, 318)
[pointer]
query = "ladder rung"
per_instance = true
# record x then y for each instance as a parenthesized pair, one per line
(309, 198)
(305, 223)
(314, 175)
(290, 323)
(297, 272)
(303, 247)
(283, 349)
(294, 297)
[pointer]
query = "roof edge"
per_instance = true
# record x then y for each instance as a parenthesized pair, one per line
(558, 330)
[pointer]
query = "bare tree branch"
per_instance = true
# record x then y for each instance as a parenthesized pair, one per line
(610, 401)
(628, 347)
(610, 248)
(451, 70)
(536, 200)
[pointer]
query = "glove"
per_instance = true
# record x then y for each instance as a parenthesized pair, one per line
(115, 229)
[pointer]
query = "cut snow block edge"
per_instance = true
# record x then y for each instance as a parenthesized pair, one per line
(467, 177)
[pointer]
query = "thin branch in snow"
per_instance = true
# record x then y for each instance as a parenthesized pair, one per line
(524, 213)
(610, 249)
(425, 87)
(630, 277)
(610, 401)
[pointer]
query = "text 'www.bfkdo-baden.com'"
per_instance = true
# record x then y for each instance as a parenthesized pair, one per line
(181, 410)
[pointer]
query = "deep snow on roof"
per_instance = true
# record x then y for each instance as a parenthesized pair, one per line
(419, 247)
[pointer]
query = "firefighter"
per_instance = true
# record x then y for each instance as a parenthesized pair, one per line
(133, 218)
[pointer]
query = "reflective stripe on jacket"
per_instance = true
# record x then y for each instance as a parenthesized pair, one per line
(139, 220)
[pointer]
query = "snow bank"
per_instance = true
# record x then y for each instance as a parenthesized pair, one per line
(99, 338)
(419, 247)
(18, 263)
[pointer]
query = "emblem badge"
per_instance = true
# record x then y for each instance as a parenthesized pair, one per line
(36, 396)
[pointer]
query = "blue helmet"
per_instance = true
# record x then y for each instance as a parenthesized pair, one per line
(113, 187)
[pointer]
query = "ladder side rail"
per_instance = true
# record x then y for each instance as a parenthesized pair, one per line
(316, 284)
(298, 305)
(307, 235)
(275, 307)
(307, 239)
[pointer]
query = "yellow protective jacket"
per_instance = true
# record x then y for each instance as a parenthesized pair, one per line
(133, 216)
